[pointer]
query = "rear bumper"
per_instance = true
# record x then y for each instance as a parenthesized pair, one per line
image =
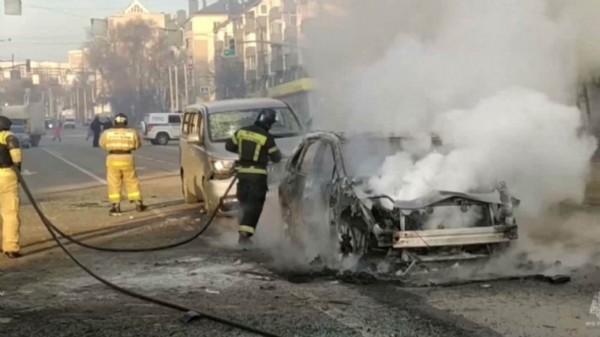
(453, 237)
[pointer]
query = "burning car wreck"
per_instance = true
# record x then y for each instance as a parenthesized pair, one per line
(325, 197)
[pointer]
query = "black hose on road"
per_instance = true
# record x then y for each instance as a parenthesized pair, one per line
(136, 250)
(51, 228)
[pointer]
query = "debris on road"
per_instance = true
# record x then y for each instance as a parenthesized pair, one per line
(5, 320)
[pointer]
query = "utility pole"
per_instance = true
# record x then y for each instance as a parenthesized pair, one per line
(176, 87)
(77, 93)
(85, 110)
(185, 81)
(171, 87)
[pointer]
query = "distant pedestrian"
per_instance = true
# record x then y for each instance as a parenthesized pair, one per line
(57, 132)
(96, 128)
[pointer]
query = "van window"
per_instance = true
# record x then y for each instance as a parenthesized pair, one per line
(174, 119)
(222, 125)
(185, 129)
(196, 124)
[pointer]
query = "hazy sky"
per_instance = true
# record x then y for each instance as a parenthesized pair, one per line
(48, 29)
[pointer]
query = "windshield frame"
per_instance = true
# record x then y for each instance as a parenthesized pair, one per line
(278, 109)
(350, 169)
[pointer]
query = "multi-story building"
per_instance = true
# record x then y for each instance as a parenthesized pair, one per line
(137, 11)
(40, 72)
(268, 42)
(200, 47)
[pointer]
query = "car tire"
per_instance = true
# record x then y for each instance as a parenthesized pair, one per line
(162, 139)
(34, 141)
(189, 196)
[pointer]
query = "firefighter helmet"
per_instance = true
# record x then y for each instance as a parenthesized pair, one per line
(121, 119)
(267, 117)
(5, 123)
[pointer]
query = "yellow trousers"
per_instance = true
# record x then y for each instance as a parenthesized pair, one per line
(10, 203)
(120, 169)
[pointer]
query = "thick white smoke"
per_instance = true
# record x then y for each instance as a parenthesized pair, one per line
(496, 80)
(518, 136)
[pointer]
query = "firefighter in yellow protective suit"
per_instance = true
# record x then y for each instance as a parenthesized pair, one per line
(10, 203)
(120, 142)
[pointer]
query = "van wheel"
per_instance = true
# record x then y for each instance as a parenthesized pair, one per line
(189, 197)
(162, 139)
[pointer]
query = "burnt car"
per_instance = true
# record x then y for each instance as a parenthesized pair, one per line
(324, 197)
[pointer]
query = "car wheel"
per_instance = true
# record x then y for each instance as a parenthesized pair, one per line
(35, 141)
(350, 243)
(189, 196)
(162, 139)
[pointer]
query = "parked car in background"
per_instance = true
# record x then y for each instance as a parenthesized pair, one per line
(325, 194)
(20, 132)
(161, 127)
(69, 123)
(207, 169)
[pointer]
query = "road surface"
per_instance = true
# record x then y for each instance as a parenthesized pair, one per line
(45, 294)
(73, 163)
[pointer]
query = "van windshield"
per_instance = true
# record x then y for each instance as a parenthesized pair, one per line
(222, 125)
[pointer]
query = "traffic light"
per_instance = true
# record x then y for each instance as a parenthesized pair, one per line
(230, 50)
(12, 7)
(28, 65)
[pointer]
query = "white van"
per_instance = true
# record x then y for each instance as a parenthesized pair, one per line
(161, 127)
(207, 169)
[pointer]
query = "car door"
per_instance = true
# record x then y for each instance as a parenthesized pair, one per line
(317, 190)
(184, 151)
(296, 181)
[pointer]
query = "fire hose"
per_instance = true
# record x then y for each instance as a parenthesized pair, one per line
(53, 230)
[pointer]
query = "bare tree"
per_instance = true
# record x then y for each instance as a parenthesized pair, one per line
(132, 62)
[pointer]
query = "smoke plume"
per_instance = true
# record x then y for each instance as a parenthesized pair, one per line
(496, 80)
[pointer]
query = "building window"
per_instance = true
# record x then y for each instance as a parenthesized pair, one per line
(276, 28)
(263, 9)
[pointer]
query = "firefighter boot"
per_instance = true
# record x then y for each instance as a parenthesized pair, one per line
(140, 207)
(12, 255)
(115, 210)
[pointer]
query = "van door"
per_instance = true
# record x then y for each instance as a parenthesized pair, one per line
(197, 154)
(183, 144)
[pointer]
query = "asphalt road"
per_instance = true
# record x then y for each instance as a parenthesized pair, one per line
(45, 294)
(74, 163)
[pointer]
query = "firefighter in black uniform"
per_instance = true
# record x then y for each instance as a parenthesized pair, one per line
(255, 146)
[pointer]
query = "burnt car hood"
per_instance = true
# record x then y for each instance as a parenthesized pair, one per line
(432, 198)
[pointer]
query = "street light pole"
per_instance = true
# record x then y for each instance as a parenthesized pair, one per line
(185, 81)
(171, 88)
(176, 87)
